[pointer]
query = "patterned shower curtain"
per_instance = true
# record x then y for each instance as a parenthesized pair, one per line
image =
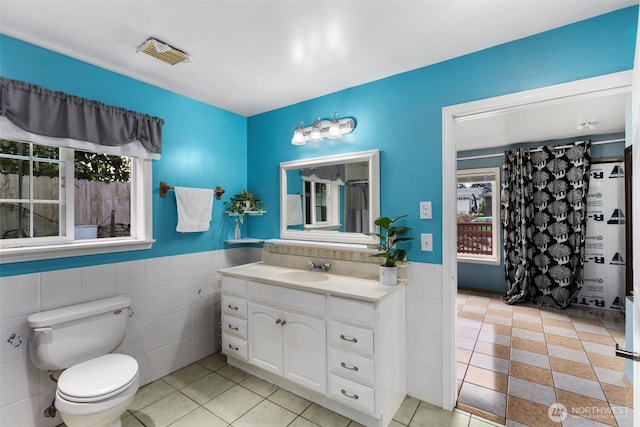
(543, 215)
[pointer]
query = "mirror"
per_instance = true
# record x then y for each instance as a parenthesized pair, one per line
(330, 199)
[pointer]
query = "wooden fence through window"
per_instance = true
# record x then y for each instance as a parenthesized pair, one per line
(475, 238)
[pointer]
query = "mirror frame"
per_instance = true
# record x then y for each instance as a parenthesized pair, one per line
(372, 157)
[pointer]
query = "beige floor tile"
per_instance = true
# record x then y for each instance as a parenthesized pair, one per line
(431, 416)
(501, 351)
(531, 373)
(471, 315)
(609, 362)
(266, 414)
(566, 324)
(502, 313)
(566, 342)
(206, 388)
(233, 403)
(587, 407)
(150, 393)
(496, 328)
(324, 417)
(476, 412)
(529, 345)
(289, 401)
(186, 375)
(464, 355)
(406, 410)
(200, 417)
(302, 422)
(524, 412)
(530, 326)
(130, 421)
(234, 374)
(571, 367)
(597, 338)
(258, 386)
(468, 332)
(166, 411)
(619, 395)
(488, 379)
(214, 361)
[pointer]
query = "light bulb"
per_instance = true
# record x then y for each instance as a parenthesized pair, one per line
(316, 131)
(334, 128)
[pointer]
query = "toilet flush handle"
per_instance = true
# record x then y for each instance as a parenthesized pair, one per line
(43, 330)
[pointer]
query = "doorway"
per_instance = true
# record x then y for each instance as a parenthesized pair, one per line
(452, 116)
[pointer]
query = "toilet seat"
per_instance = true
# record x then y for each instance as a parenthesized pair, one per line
(98, 379)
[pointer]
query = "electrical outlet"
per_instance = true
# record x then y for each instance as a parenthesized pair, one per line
(426, 242)
(425, 210)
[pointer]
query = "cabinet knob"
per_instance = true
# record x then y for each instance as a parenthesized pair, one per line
(353, 340)
(351, 368)
(284, 322)
(235, 328)
(233, 348)
(278, 321)
(233, 307)
(350, 396)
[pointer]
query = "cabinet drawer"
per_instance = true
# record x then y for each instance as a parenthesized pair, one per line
(231, 285)
(234, 347)
(351, 366)
(359, 313)
(287, 298)
(352, 393)
(232, 325)
(234, 306)
(351, 338)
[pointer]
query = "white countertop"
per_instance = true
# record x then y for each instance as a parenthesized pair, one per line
(319, 282)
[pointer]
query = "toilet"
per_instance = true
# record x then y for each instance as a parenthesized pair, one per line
(96, 386)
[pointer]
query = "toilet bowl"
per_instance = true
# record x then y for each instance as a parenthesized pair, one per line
(96, 386)
(97, 392)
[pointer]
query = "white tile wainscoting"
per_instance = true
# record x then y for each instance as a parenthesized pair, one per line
(175, 307)
(176, 303)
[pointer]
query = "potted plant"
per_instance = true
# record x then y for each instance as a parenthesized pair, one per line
(241, 202)
(390, 235)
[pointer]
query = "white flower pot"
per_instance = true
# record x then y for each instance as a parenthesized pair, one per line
(388, 275)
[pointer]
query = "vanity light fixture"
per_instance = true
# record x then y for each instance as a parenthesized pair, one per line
(588, 125)
(163, 52)
(322, 128)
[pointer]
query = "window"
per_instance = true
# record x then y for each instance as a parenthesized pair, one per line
(321, 205)
(58, 201)
(478, 215)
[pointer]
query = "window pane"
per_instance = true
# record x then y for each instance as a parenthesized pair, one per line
(14, 147)
(321, 202)
(15, 220)
(103, 193)
(46, 219)
(475, 215)
(46, 181)
(45, 152)
(14, 179)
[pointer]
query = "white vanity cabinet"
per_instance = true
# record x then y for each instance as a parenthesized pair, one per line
(288, 344)
(346, 353)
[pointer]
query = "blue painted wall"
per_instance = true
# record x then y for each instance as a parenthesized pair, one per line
(491, 277)
(203, 146)
(401, 115)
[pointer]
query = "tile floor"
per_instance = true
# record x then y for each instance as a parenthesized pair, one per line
(210, 393)
(516, 361)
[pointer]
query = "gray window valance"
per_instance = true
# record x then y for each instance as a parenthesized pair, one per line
(41, 111)
(328, 174)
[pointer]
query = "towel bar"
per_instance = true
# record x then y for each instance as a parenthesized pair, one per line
(164, 187)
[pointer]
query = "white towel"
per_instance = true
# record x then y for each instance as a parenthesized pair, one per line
(194, 209)
(294, 209)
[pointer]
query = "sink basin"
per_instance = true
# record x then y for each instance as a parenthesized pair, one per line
(303, 276)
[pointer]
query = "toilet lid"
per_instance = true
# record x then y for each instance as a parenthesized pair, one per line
(98, 378)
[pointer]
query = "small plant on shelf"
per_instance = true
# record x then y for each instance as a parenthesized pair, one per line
(242, 202)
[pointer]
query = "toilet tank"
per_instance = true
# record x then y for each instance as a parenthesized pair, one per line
(69, 335)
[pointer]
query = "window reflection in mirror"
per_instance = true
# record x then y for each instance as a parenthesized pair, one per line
(333, 198)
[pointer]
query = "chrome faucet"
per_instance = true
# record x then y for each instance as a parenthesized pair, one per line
(319, 266)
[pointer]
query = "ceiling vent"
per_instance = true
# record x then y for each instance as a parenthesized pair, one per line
(163, 52)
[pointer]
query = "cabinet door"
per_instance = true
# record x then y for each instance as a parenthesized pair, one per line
(265, 338)
(305, 351)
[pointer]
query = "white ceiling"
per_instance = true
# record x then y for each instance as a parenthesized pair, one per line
(250, 57)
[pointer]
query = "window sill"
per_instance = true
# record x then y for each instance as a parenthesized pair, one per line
(77, 248)
(478, 260)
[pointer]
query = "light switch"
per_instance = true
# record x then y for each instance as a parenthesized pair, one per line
(425, 210)
(426, 242)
